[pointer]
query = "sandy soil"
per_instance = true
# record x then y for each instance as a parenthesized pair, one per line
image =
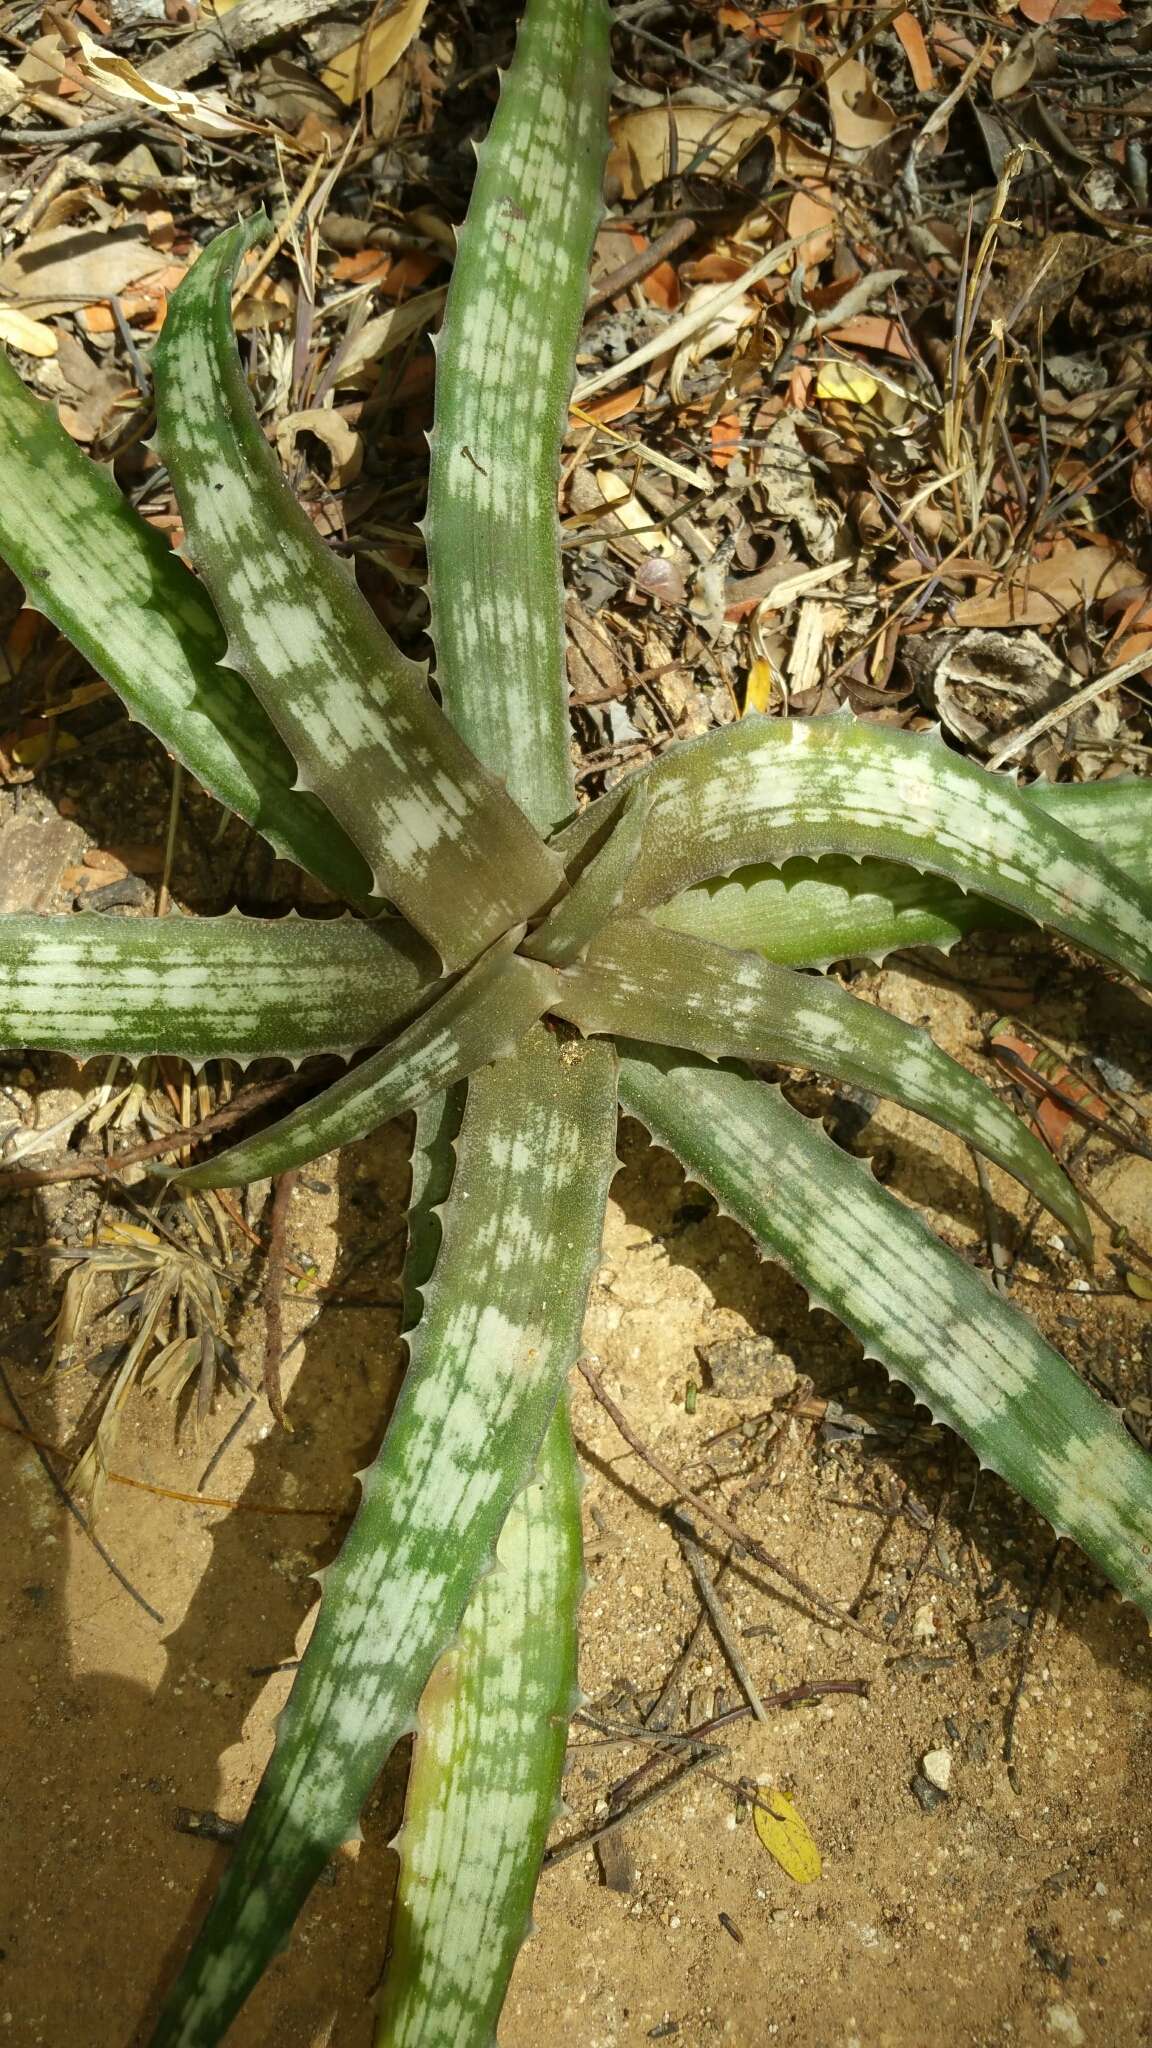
(1015, 1911)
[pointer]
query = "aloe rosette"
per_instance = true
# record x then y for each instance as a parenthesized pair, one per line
(546, 967)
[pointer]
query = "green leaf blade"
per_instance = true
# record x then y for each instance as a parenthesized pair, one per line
(490, 1745)
(108, 580)
(206, 988)
(971, 1357)
(501, 1326)
(444, 841)
(808, 913)
(641, 982)
(479, 1018)
(771, 789)
(506, 360)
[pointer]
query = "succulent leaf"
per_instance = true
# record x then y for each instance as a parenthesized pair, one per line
(567, 931)
(490, 1741)
(443, 840)
(501, 1325)
(972, 1358)
(769, 789)
(807, 913)
(207, 988)
(479, 1018)
(641, 982)
(108, 580)
(504, 377)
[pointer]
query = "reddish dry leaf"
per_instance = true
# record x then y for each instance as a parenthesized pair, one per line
(809, 210)
(916, 50)
(871, 330)
(662, 287)
(605, 410)
(724, 439)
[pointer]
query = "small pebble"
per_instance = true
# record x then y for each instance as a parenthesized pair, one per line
(1062, 2021)
(937, 1768)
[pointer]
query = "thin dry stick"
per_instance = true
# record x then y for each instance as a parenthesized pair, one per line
(690, 323)
(257, 1097)
(563, 1850)
(76, 1512)
(642, 263)
(273, 1288)
(705, 1508)
(717, 1615)
(1135, 664)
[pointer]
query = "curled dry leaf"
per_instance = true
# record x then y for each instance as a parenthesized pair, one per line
(860, 118)
(206, 114)
(343, 444)
(986, 684)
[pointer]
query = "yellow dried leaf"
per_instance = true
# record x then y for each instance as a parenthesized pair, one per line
(364, 64)
(19, 331)
(206, 114)
(761, 686)
(848, 382)
(785, 1836)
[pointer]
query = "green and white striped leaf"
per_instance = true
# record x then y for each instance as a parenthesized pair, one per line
(807, 913)
(770, 789)
(479, 1018)
(641, 982)
(567, 931)
(972, 1358)
(502, 1321)
(490, 1741)
(108, 580)
(504, 377)
(443, 840)
(207, 988)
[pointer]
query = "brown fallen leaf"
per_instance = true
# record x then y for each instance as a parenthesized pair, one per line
(62, 267)
(361, 66)
(1040, 593)
(860, 118)
(809, 209)
(711, 139)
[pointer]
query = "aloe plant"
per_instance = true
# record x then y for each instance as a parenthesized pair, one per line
(538, 967)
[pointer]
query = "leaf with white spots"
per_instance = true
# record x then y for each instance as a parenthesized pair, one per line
(639, 981)
(936, 1325)
(490, 1742)
(481, 1017)
(807, 913)
(501, 1326)
(108, 580)
(207, 988)
(769, 789)
(444, 841)
(504, 377)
